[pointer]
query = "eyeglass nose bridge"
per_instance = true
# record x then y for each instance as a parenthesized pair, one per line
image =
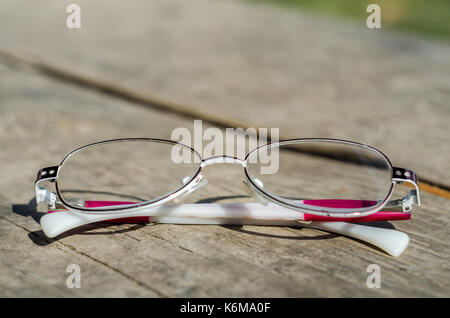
(200, 181)
(231, 160)
(222, 159)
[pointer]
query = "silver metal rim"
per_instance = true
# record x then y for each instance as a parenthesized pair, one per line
(270, 197)
(168, 197)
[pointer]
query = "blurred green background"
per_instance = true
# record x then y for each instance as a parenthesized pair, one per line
(429, 18)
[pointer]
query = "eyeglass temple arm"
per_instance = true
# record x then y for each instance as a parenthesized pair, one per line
(400, 176)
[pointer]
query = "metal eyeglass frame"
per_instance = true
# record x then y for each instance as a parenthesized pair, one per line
(399, 176)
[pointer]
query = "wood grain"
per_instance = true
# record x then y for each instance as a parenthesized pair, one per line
(41, 120)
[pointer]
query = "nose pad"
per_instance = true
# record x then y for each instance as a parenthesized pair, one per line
(253, 194)
(199, 183)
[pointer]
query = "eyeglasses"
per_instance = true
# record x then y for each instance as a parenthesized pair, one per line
(309, 179)
(324, 177)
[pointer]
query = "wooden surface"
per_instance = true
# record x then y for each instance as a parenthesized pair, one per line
(332, 79)
(256, 65)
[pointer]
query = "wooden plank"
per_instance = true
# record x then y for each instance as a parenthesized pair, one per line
(31, 268)
(309, 76)
(168, 260)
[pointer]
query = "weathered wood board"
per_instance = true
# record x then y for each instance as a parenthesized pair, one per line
(42, 119)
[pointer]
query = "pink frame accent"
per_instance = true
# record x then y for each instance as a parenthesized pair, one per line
(335, 203)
